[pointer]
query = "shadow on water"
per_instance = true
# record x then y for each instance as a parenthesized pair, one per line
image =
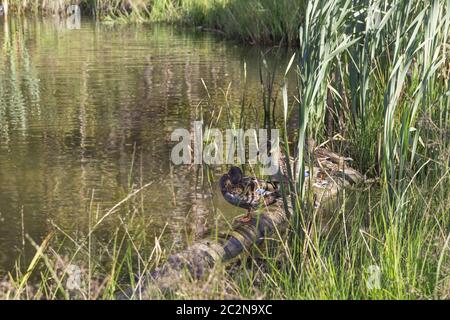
(86, 116)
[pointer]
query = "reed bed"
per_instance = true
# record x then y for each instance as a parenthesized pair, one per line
(252, 21)
(380, 71)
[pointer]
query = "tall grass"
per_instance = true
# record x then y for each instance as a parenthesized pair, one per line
(254, 21)
(133, 9)
(384, 64)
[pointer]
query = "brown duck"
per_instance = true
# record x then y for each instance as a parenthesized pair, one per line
(323, 155)
(248, 193)
(331, 163)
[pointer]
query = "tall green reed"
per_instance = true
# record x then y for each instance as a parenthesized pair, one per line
(383, 64)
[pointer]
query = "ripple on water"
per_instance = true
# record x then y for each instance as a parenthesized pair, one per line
(86, 115)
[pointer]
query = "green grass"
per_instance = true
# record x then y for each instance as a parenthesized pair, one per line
(253, 21)
(384, 73)
(379, 70)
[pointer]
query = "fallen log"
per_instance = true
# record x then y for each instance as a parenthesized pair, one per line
(324, 181)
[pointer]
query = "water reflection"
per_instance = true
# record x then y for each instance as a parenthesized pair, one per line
(86, 115)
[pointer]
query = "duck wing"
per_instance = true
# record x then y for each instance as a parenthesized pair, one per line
(268, 190)
(250, 193)
(272, 192)
(331, 156)
(241, 195)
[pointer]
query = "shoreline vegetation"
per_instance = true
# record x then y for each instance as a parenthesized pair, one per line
(373, 84)
(264, 22)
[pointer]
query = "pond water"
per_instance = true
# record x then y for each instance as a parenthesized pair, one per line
(86, 117)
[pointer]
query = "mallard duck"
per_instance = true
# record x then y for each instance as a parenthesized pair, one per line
(322, 155)
(330, 163)
(248, 192)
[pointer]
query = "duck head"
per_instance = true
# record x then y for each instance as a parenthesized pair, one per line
(235, 174)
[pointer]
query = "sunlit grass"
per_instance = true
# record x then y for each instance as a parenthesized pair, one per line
(254, 21)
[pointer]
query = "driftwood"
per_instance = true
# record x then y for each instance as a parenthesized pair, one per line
(324, 180)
